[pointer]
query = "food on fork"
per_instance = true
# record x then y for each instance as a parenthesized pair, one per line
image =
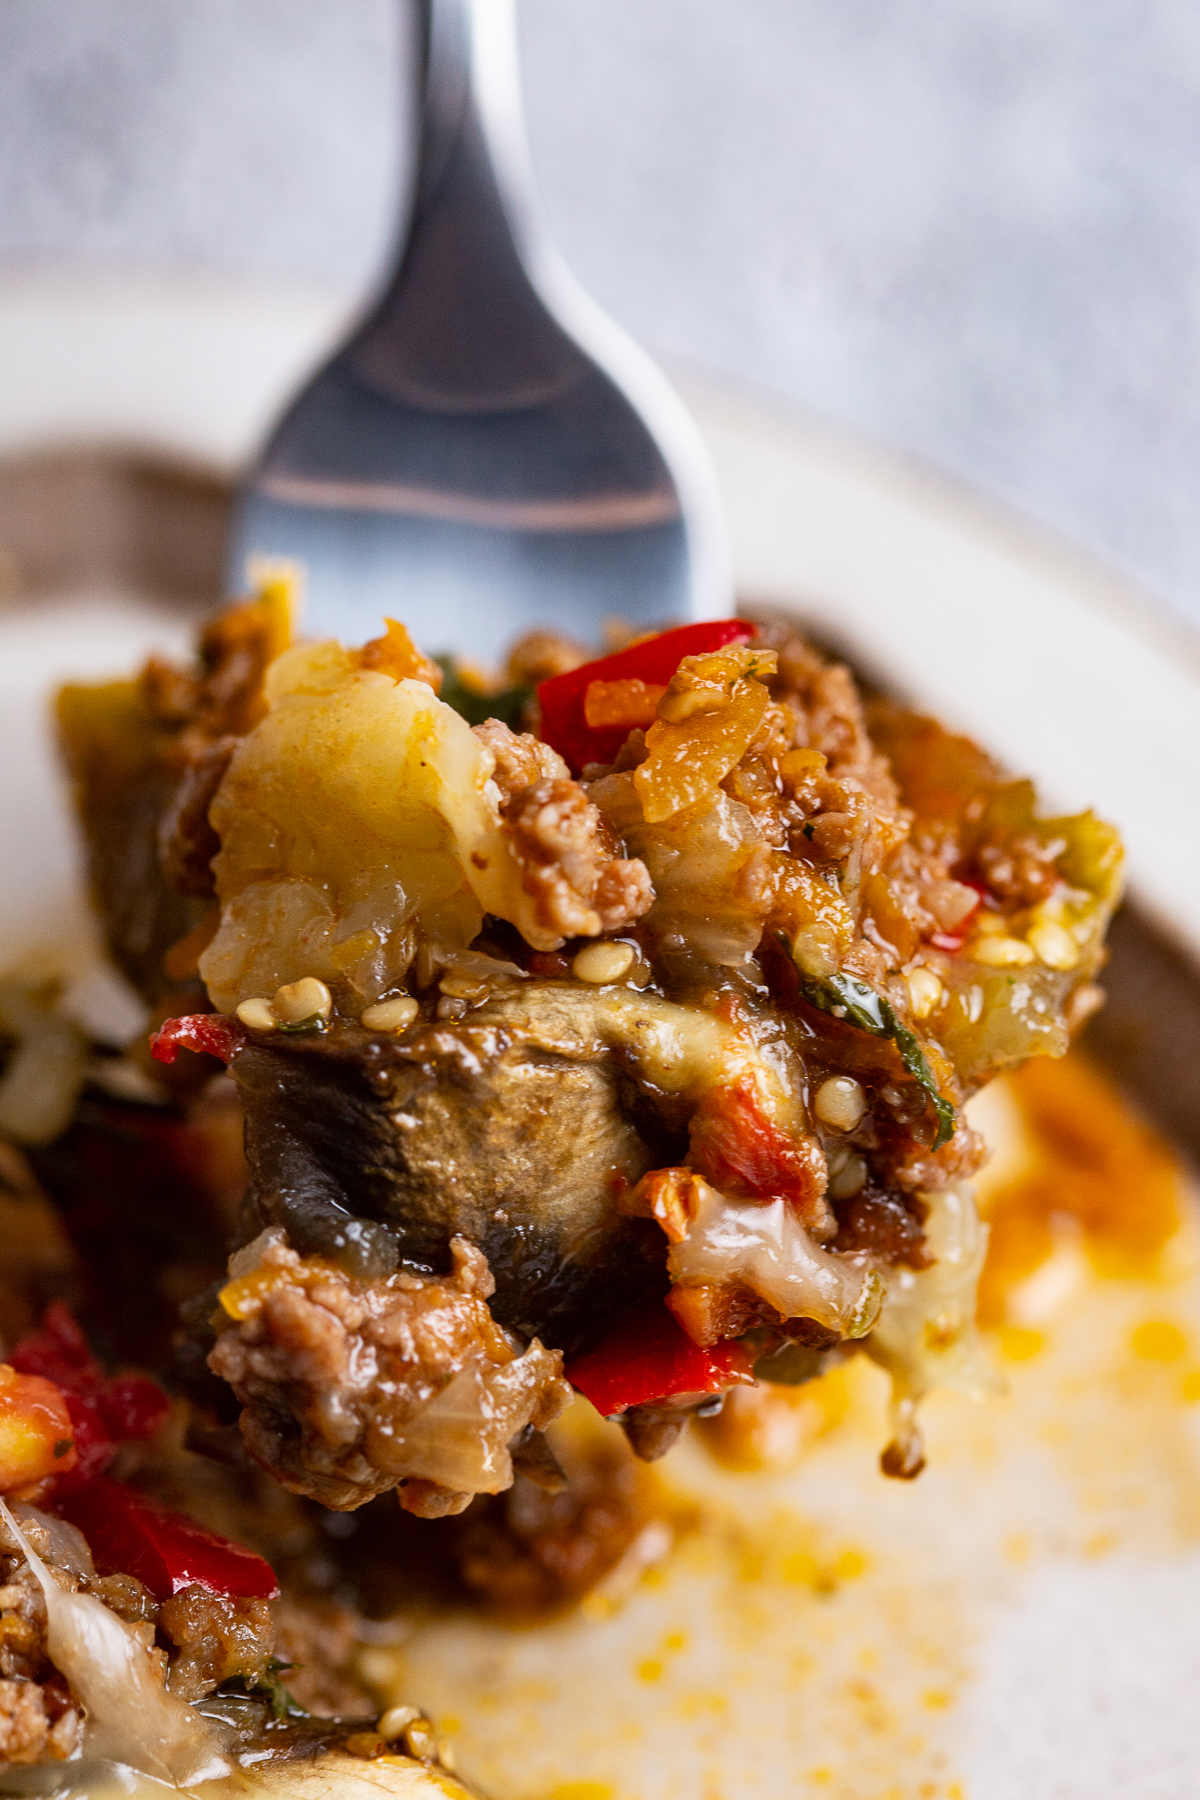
(607, 1026)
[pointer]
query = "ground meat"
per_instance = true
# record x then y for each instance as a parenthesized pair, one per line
(352, 1387)
(1021, 871)
(23, 1609)
(520, 758)
(803, 846)
(880, 1224)
(830, 717)
(22, 1620)
(37, 1722)
(569, 864)
(570, 859)
(531, 1550)
(913, 1168)
(215, 1638)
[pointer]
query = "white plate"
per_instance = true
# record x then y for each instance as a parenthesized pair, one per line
(1024, 1619)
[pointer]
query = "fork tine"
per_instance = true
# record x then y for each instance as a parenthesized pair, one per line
(486, 452)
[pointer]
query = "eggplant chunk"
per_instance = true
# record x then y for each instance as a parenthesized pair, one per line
(337, 1776)
(509, 1128)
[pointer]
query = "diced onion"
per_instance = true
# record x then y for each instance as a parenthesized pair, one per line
(763, 1246)
(460, 1438)
(698, 861)
(358, 808)
(64, 1543)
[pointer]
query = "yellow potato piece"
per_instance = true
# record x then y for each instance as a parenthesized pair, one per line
(358, 814)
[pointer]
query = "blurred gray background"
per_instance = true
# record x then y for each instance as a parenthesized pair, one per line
(967, 229)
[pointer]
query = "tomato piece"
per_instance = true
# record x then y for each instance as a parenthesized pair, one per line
(104, 1411)
(207, 1034)
(562, 699)
(741, 1151)
(37, 1438)
(130, 1534)
(652, 1358)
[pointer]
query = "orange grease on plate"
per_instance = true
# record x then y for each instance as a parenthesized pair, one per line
(1100, 1176)
(768, 1642)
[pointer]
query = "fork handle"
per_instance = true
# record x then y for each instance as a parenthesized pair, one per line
(468, 87)
(460, 324)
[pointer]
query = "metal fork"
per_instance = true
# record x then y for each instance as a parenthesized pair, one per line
(486, 452)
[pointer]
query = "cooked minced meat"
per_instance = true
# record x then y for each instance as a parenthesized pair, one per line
(641, 1035)
(214, 1637)
(350, 1388)
(570, 860)
(535, 1549)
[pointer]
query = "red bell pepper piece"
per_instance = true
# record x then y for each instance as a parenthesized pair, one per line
(651, 1357)
(208, 1034)
(562, 698)
(129, 1534)
(105, 1411)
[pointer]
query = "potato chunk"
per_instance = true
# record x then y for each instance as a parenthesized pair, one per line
(358, 815)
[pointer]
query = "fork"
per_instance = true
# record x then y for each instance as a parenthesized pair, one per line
(486, 452)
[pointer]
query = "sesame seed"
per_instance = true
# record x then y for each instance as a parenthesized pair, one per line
(601, 963)
(391, 1015)
(257, 1015)
(419, 1740)
(296, 1001)
(462, 985)
(848, 1179)
(1053, 945)
(840, 1102)
(395, 1721)
(924, 991)
(1002, 952)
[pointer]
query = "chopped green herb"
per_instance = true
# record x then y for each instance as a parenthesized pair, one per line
(269, 1688)
(314, 1022)
(845, 997)
(508, 704)
(809, 830)
(62, 1445)
(283, 1705)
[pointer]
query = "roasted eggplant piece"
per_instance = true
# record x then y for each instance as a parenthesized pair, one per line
(641, 1038)
(517, 1127)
